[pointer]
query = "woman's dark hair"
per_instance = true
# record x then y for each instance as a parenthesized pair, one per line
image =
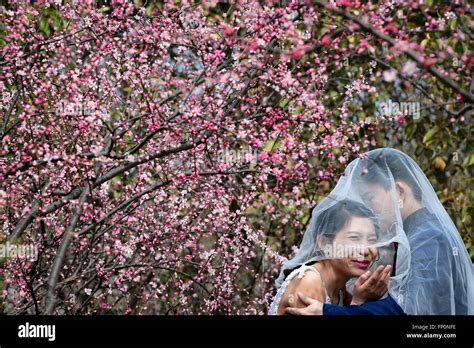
(333, 219)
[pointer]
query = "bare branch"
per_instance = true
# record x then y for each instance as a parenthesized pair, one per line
(58, 260)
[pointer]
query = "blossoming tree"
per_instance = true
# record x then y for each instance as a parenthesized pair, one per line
(162, 157)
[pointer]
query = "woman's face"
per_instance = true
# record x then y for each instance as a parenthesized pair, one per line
(354, 242)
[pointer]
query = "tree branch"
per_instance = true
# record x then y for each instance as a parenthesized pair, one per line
(413, 55)
(58, 260)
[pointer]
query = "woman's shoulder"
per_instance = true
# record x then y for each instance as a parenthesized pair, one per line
(303, 280)
(307, 281)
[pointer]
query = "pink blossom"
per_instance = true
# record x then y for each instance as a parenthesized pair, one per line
(326, 40)
(390, 75)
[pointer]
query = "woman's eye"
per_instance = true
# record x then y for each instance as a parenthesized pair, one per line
(354, 237)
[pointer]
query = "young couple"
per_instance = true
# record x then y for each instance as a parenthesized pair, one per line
(381, 243)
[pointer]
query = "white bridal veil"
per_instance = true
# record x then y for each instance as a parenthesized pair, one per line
(432, 269)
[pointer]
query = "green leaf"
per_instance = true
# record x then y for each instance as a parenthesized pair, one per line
(44, 26)
(270, 144)
(425, 43)
(469, 161)
(283, 102)
(149, 10)
(453, 24)
(429, 136)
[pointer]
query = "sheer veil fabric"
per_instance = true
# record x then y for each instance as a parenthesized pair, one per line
(433, 273)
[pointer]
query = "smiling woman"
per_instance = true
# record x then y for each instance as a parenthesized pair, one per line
(343, 248)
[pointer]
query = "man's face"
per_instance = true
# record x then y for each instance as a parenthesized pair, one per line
(381, 202)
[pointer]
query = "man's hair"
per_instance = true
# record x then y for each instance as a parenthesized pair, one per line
(380, 164)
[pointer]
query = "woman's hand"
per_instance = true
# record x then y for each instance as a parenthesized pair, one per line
(314, 307)
(371, 287)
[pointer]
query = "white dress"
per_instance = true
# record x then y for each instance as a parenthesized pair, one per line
(300, 273)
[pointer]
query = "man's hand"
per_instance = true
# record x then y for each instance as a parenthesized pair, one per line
(371, 287)
(314, 307)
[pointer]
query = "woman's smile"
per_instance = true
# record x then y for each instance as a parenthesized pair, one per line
(364, 264)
